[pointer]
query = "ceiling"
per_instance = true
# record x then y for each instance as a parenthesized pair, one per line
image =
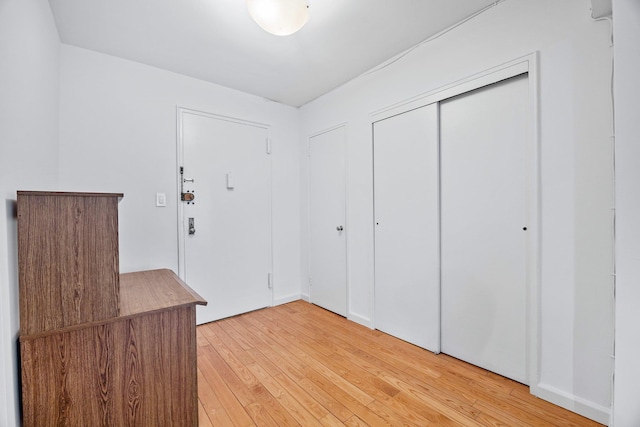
(217, 41)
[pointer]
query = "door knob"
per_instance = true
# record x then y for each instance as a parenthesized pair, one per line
(339, 228)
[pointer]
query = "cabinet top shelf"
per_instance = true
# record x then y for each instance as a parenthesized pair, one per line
(63, 193)
(141, 293)
(152, 290)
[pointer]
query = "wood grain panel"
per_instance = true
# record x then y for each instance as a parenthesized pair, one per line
(98, 349)
(135, 372)
(153, 290)
(68, 259)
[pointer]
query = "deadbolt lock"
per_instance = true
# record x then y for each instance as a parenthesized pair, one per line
(188, 197)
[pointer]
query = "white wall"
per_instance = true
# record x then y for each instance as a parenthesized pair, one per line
(576, 169)
(28, 155)
(118, 134)
(626, 14)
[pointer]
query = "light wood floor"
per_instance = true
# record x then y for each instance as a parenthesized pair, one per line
(300, 365)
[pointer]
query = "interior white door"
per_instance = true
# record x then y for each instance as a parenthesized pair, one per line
(327, 216)
(483, 202)
(407, 238)
(227, 253)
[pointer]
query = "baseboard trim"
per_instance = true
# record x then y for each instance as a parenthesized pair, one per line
(573, 403)
(364, 321)
(286, 299)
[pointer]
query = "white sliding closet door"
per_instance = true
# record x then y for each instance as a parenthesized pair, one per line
(407, 288)
(483, 202)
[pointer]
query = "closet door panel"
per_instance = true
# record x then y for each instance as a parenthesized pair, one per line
(483, 203)
(407, 289)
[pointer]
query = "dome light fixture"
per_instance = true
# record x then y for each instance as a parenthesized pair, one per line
(279, 17)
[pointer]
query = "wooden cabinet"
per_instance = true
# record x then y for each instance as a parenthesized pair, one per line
(98, 348)
(68, 259)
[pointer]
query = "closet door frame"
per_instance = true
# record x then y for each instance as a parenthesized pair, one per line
(524, 65)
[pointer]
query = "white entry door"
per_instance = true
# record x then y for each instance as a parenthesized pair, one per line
(226, 229)
(483, 202)
(327, 216)
(407, 238)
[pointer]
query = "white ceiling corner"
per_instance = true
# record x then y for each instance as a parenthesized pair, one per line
(217, 41)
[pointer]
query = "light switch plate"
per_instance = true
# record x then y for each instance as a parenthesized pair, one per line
(161, 200)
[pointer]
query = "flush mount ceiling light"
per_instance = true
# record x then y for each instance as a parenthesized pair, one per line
(279, 17)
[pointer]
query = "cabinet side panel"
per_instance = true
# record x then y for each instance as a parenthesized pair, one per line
(184, 366)
(37, 265)
(98, 237)
(68, 379)
(165, 367)
(68, 256)
(139, 371)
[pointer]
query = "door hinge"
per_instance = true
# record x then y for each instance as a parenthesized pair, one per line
(269, 280)
(268, 145)
(309, 280)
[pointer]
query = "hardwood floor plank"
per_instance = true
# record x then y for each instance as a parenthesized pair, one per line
(373, 387)
(454, 395)
(214, 411)
(522, 393)
(228, 400)
(344, 337)
(299, 365)
(260, 416)
(201, 340)
(507, 418)
(288, 402)
(258, 357)
(390, 416)
(422, 409)
(227, 326)
(293, 368)
(222, 335)
(311, 404)
(203, 418)
(453, 410)
(299, 351)
(224, 375)
(233, 354)
(352, 404)
(354, 421)
(331, 421)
